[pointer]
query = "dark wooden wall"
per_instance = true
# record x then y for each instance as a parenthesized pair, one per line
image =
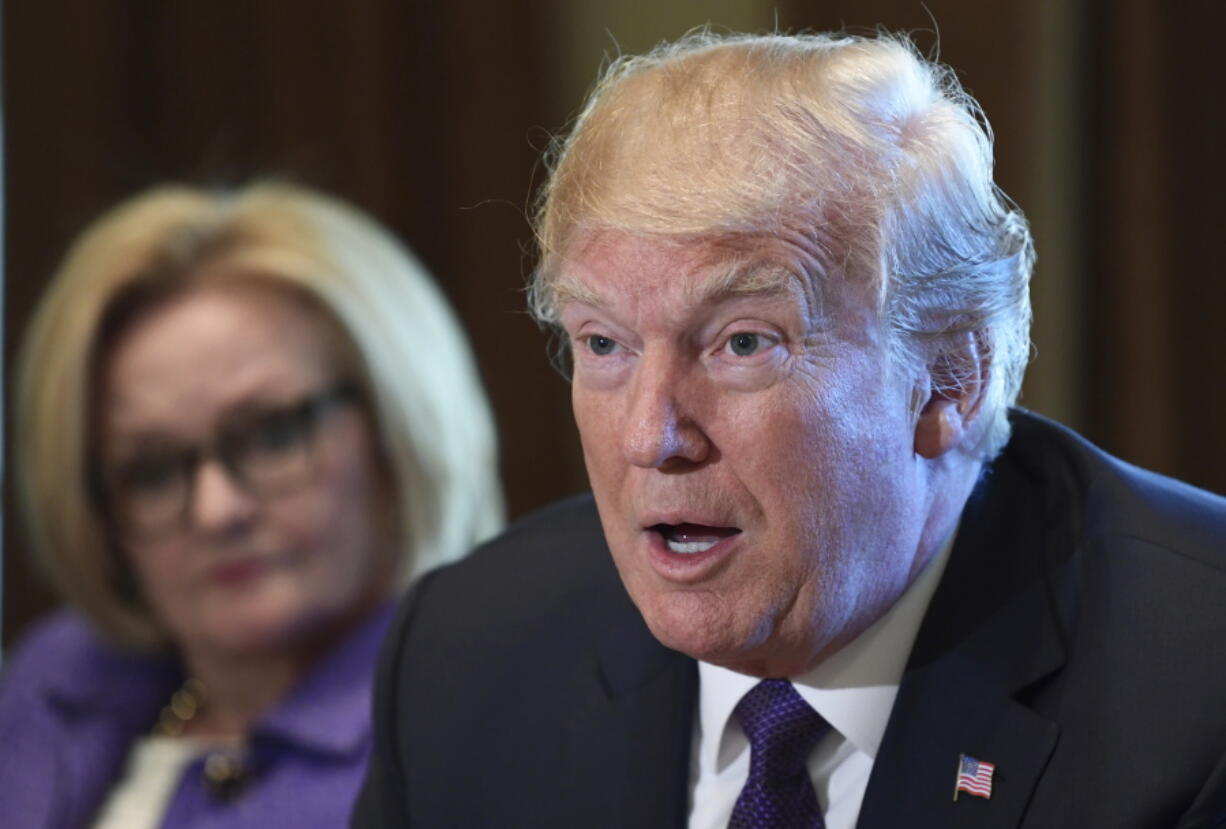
(1156, 235)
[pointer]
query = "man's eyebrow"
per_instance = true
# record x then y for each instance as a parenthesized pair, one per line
(747, 280)
(740, 280)
(568, 289)
(766, 281)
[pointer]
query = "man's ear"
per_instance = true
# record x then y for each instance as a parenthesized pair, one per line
(958, 379)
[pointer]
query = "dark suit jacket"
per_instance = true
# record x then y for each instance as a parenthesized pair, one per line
(1077, 640)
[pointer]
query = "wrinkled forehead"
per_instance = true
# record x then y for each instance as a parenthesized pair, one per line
(692, 270)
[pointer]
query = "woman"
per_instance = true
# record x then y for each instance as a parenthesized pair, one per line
(244, 421)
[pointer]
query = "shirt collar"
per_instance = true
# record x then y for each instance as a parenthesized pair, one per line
(854, 689)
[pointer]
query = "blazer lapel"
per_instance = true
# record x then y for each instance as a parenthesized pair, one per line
(629, 725)
(109, 701)
(995, 629)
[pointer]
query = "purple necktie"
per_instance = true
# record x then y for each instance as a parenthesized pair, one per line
(782, 730)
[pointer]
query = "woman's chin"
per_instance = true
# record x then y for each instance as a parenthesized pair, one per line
(255, 628)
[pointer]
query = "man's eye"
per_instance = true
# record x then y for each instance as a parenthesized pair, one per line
(746, 344)
(600, 345)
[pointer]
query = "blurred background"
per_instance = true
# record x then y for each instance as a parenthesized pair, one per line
(1108, 115)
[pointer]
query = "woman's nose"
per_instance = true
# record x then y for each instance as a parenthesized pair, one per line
(217, 501)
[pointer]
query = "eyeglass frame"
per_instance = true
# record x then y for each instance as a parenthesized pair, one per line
(233, 432)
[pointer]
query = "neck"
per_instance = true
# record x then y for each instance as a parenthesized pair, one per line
(949, 499)
(242, 686)
(239, 689)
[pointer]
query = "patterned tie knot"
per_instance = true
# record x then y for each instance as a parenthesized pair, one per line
(781, 727)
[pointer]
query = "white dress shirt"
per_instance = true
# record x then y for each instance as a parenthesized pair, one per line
(853, 690)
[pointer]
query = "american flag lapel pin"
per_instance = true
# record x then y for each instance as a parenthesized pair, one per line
(974, 777)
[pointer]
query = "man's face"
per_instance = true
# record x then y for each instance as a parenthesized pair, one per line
(750, 451)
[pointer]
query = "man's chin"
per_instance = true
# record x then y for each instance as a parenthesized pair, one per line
(702, 625)
(698, 624)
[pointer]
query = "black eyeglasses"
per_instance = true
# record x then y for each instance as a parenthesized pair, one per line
(268, 452)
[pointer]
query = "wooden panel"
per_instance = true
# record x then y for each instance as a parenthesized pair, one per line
(1159, 385)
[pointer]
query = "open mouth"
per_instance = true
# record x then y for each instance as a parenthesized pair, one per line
(692, 539)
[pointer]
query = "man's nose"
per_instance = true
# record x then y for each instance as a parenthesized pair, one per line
(661, 430)
(219, 503)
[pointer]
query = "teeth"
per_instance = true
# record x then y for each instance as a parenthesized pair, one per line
(690, 547)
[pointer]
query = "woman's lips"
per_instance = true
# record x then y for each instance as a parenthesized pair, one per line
(689, 552)
(236, 573)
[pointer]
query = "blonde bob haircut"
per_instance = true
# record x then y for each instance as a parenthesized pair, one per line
(872, 153)
(414, 369)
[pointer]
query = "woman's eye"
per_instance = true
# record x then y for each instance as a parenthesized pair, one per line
(148, 474)
(600, 345)
(746, 344)
(275, 434)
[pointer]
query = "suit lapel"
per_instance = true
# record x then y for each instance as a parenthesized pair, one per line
(947, 708)
(994, 631)
(629, 725)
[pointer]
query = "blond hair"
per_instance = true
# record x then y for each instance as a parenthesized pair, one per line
(871, 152)
(432, 419)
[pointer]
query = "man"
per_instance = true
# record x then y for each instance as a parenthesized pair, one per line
(797, 311)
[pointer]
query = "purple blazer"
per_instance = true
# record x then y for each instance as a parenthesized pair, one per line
(70, 707)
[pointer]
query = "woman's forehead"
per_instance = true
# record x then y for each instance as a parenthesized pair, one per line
(188, 361)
